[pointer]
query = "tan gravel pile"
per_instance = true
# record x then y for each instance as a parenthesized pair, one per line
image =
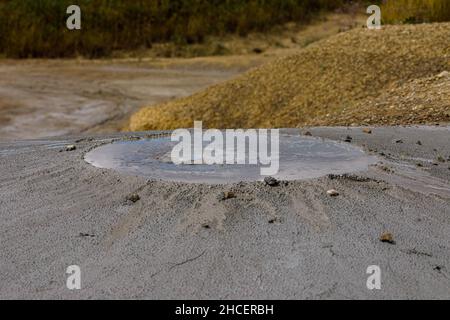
(354, 77)
(419, 101)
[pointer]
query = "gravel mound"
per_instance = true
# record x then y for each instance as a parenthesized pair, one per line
(418, 101)
(396, 75)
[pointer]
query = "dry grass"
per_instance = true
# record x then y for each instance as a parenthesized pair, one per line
(416, 11)
(325, 83)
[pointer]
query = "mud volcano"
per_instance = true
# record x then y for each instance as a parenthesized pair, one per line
(300, 157)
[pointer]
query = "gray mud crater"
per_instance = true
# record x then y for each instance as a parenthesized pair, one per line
(301, 157)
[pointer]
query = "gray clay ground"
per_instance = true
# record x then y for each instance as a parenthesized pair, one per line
(180, 241)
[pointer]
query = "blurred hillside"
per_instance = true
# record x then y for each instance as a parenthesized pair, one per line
(37, 28)
(416, 11)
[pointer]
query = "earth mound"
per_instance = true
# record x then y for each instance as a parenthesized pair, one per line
(396, 75)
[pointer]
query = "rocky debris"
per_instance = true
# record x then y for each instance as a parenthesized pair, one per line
(350, 177)
(386, 168)
(419, 142)
(338, 81)
(387, 238)
(332, 193)
(399, 141)
(84, 140)
(307, 133)
(367, 130)
(270, 181)
(348, 139)
(226, 195)
(131, 138)
(418, 253)
(70, 147)
(134, 197)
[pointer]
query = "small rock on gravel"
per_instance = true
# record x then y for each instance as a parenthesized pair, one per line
(444, 74)
(270, 181)
(226, 195)
(332, 193)
(134, 197)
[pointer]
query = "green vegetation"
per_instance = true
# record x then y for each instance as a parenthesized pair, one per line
(37, 28)
(416, 11)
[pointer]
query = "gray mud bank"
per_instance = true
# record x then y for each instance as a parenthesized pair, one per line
(187, 241)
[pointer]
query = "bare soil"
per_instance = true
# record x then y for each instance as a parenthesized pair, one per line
(51, 98)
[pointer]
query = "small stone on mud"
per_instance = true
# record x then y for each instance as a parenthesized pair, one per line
(399, 141)
(419, 143)
(387, 237)
(307, 133)
(71, 147)
(440, 159)
(348, 139)
(86, 235)
(332, 193)
(270, 181)
(367, 130)
(134, 197)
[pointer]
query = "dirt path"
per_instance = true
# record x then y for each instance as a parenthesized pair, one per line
(53, 98)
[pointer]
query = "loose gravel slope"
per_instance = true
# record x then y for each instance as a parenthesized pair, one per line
(334, 81)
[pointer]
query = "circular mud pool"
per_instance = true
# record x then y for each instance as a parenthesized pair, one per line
(300, 157)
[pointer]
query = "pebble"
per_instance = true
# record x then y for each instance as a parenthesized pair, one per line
(444, 74)
(270, 181)
(367, 130)
(71, 147)
(134, 197)
(387, 238)
(348, 139)
(332, 193)
(226, 195)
